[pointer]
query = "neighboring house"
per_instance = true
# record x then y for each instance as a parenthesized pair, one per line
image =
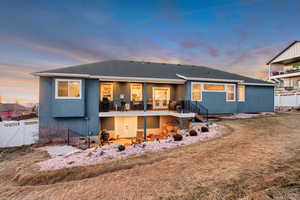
(122, 96)
(284, 69)
(12, 111)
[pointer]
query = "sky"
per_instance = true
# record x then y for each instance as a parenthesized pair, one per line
(238, 36)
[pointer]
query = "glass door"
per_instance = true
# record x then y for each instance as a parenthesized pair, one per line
(161, 97)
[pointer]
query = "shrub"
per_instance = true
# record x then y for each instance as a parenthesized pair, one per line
(193, 133)
(204, 129)
(121, 147)
(177, 137)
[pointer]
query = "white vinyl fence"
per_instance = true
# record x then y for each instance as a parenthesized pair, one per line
(291, 100)
(18, 133)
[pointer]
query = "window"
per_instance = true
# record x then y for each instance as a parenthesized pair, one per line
(196, 92)
(214, 87)
(107, 123)
(152, 122)
(241, 93)
(230, 93)
(107, 91)
(67, 89)
(136, 92)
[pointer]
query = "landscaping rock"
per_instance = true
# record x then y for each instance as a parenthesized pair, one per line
(177, 137)
(70, 162)
(193, 133)
(113, 153)
(121, 147)
(89, 154)
(204, 129)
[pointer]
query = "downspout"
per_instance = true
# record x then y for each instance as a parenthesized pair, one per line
(269, 72)
(86, 117)
(145, 97)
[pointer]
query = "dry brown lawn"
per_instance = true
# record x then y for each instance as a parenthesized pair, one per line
(257, 159)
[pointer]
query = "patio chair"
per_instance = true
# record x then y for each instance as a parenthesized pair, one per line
(105, 104)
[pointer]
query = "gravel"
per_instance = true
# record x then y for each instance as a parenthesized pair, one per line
(106, 153)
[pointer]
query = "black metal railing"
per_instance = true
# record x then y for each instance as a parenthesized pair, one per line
(185, 106)
(189, 106)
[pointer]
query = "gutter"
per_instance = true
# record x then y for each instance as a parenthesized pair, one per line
(113, 78)
(241, 82)
(259, 84)
(209, 79)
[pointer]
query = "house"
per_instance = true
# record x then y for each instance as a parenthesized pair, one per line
(284, 69)
(126, 97)
(12, 111)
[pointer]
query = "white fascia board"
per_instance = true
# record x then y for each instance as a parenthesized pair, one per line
(286, 75)
(146, 113)
(114, 78)
(62, 75)
(209, 79)
(139, 79)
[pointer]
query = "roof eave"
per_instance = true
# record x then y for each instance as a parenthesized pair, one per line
(277, 55)
(113, 78)
(209, 79)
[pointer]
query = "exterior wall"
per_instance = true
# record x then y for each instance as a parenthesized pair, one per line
(257, 99)
(83, 124)
(216, 103)
(292, 82)
(109, 124)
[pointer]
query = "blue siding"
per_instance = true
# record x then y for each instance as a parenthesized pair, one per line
(65, 107)
(257, 99)
(216, 102)
(81, 125)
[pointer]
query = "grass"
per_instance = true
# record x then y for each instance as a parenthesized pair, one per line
(258, 159)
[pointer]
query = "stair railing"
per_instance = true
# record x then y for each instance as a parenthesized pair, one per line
(189, 106)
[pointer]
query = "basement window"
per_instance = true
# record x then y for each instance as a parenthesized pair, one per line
(67, 89)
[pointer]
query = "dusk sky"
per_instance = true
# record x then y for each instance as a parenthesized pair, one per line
(237, 36)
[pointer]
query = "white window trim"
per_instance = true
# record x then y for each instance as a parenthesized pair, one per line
(201, 90)
(112, 90)
(168, 95)
(68, 80)
(131, 90)
(234, 93)
(238, 91)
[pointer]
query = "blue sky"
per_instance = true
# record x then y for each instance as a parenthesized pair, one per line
(233, 35)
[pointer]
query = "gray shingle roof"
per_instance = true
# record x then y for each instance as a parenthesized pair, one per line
(122, 68)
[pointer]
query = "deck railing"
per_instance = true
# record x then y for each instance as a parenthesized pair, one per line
(185, 106)
(290, 71)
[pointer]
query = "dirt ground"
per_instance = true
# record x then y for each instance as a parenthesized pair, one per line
(257, 159)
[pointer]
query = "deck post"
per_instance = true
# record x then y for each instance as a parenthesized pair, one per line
(181, 123)
(145, 98)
